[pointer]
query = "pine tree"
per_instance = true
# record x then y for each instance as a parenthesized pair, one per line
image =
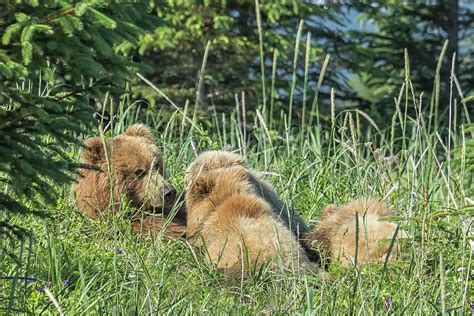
(233, 65)
(423, 29)
(55, 57)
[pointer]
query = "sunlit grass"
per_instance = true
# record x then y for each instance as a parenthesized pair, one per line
(100, 267)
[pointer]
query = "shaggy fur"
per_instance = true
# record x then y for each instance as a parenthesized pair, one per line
(153, 225)
(336, 233)
(128, 165)
(233, 225)
(211, 160)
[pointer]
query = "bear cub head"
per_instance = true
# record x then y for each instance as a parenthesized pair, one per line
(128, 165)
(211, 160)
(210, 190)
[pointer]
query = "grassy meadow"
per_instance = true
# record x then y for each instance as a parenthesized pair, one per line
(73, 265)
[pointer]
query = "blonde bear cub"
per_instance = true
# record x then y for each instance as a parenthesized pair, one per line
(236, 228)
(336, 233)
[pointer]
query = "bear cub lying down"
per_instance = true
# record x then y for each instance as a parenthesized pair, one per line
(224, 198)
(229, 205)
(337, 238)
(131, 166)
(232, 223)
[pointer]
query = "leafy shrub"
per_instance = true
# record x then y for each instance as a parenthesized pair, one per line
(56, 57)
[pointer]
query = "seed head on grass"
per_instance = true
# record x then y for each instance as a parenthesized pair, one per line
(387, 304)
(118, 250)
(67, 282)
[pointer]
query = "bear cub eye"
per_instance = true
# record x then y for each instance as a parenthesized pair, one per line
(140, 173)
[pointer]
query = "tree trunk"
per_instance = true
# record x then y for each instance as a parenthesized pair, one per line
(452, 28)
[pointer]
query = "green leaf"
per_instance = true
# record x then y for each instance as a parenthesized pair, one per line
(67, 25)
(9, 32)
(5, 71)
(26, 167)
(27, 53)
(468, 99)
(43, 28)
(27, 34)
(21, 17)
(102, 18)
(81, 8)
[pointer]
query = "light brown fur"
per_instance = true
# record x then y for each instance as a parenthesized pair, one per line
(211, 160)
(125, 166)
(154, 225)
(336, 233)
(231, 223)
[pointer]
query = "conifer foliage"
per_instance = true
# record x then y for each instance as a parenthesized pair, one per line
(55, 56)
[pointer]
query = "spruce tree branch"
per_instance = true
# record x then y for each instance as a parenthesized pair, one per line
(58, 14)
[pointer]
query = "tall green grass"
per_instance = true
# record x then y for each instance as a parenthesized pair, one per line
(325, 155)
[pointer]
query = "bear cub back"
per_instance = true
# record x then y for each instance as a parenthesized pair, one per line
(355, 229)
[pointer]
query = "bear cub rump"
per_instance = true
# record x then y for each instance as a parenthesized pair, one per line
(230, 222)
(127, 165)
(336, 235)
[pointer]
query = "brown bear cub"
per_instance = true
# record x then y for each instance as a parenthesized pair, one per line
(336, 237)
(235, 227)
(127, 165)
(215, 159)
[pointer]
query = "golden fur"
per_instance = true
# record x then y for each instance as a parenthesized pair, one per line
(336, 233)
(232, 224)
(211, 160)
(127, 165)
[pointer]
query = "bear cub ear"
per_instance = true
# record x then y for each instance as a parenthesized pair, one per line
(93, 151)
(328, 210)
(140, 130)
(202, 187)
